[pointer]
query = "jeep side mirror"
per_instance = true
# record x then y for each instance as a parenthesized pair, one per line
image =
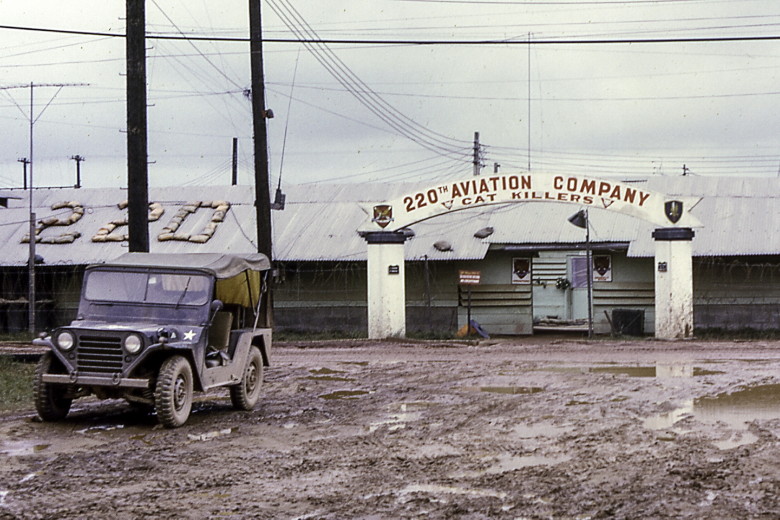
(215, 307)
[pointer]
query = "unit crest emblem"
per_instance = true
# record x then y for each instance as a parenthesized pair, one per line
(673, 210)
(383, 215)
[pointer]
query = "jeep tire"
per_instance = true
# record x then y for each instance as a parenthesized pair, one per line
(173, 393)
(50, 404)
(245, 395)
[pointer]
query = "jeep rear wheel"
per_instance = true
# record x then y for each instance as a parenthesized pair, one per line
(173, 394)
(245, 395)
(50, 403)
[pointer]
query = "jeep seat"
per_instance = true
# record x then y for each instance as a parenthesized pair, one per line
(219, 332)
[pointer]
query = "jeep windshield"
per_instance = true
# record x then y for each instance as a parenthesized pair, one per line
(156, 296)
(138, 287)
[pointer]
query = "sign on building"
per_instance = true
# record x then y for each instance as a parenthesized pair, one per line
(469, 277)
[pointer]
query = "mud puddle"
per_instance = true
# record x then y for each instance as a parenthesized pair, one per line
(516, 390)
(659, 370)
(344, 394)
(539, 430)
(22, 448)
(734, 410)
(398, 420)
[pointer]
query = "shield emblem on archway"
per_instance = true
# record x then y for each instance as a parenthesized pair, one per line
(673, 210)
(383, 215)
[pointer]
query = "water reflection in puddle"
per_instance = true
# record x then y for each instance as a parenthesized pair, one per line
(325, 371)
(506, 389)
(101, 428)
(398, 421)
(212, 435)
(660, 370)
(624, 370)
(20, 448)
(344, 394)
(735, 410)
(543, 429)
(453, 490)
(330, 378)
(506, 463)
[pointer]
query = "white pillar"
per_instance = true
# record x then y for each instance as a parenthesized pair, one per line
(386, 285)
(673, 283)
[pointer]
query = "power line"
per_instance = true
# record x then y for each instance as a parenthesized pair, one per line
(402, 124)
(338, 41)
(202, 55)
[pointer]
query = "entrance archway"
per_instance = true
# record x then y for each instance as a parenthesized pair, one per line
(673, 253)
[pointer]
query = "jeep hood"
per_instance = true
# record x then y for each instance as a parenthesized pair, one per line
(180, 332)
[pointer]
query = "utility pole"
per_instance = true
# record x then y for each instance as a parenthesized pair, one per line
(529, 101)
(259, 115)
(137, 152)
(29, 160)
(477, 162)
(78, 160)
(25, 161)
(234, 178)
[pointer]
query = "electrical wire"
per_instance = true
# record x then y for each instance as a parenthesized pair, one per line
(420, 42)
(407, 127)
(287, 121)
(201, 54)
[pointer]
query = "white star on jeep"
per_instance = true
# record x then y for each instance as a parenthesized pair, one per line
(188, 336)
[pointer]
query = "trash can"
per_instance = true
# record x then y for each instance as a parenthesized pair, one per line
(628, 322)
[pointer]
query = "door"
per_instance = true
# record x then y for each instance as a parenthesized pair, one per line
(578, 274)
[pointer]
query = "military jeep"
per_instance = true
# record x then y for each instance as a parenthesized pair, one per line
(152, 328)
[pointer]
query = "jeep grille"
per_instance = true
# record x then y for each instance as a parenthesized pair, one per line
(99, 354)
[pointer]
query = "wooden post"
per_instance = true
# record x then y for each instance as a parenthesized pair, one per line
(137, 153)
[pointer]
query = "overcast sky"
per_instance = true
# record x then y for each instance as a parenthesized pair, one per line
(360, 112)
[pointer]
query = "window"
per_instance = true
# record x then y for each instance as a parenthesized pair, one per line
(579, 272)
(135, 287)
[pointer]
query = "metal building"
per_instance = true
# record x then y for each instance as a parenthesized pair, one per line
(530, 257)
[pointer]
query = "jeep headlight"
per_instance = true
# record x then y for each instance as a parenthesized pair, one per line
(133, 344)
(65, 340)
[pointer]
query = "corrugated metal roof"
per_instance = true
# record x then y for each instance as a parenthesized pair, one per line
(741, 216)
(546, 222)
(321, 221)
(100, 208)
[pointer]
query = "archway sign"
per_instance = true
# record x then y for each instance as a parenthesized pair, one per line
(673, 276)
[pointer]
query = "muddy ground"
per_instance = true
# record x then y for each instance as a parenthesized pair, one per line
(528, 429)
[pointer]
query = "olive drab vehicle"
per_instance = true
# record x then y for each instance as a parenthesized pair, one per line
(153, 328)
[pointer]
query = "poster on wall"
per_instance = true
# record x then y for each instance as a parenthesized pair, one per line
(602, 268)
(521, 270)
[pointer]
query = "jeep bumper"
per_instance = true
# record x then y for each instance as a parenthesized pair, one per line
(75, 379)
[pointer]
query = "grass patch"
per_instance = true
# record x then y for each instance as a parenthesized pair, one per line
(16, 380)
(16, 337)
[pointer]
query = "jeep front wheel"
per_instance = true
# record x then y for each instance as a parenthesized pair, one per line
(50, 404)
(173, 393)
(245, 395)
